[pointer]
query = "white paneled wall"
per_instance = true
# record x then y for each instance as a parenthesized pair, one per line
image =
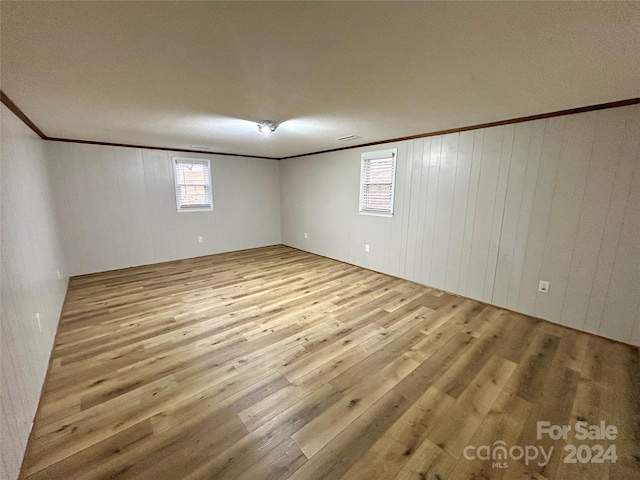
(490, 212)
(116, 206)
(31, 257)
(79, 209)
(484, 213)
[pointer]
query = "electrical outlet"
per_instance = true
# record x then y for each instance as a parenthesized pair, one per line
(38, 319)
(305, 235)
(366, 247)
(543, 286)
(58, 273)
(199, 239)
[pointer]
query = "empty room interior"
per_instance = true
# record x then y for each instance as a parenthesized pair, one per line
(320, 240)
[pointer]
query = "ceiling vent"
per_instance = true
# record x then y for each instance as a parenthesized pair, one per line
(347, 138)
(200, 147)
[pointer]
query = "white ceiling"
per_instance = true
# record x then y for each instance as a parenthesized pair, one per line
(201, 73)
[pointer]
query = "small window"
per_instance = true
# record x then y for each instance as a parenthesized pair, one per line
(377, 182)
(193, 184)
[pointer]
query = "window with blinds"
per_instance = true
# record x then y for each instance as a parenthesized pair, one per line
(193, 184)
(377, 182)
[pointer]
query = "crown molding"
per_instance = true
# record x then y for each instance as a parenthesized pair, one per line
(558, 113)
(589, 108)
(20, 114)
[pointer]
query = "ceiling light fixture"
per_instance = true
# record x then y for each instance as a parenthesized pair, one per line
(267, 127)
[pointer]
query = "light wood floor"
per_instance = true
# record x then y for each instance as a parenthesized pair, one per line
(274, 363)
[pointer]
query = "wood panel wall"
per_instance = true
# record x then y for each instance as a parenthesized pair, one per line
(484, 213)
(78, 209)
(488, 213)
(117, 208)
(31, 256)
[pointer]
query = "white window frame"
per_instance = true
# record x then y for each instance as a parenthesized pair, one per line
(200, 208)
(379, 154)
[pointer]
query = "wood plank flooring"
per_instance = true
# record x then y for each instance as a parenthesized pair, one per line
(274, 363)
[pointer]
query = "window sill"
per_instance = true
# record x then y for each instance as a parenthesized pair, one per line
(187, 210)
(374, 214)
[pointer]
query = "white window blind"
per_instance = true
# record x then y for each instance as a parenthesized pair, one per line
(193, 184)
(377, 182)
